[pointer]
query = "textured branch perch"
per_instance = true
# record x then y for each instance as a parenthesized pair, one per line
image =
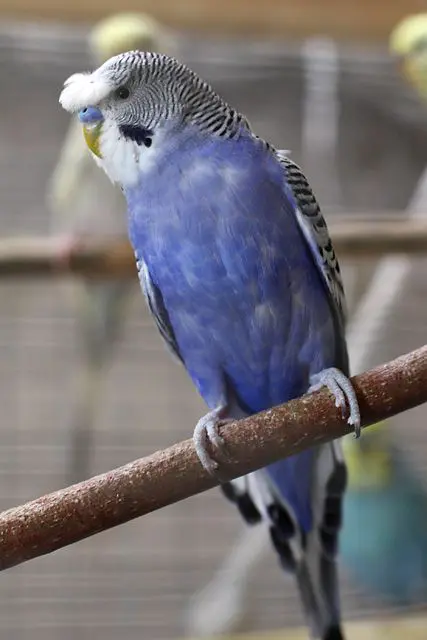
(354, 236)
(74, 513)
(35, 257)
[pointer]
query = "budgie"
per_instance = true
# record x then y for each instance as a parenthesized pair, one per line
(408, 41)
(239, 272)
(389, 555)
(83, 202)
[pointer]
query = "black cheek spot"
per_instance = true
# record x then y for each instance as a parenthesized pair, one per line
(140, 135)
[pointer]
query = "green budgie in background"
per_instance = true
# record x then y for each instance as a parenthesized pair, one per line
(83, 203)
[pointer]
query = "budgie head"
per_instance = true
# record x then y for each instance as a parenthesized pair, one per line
(125, 31)
(408, 41)
(133, 106)
(369, 460)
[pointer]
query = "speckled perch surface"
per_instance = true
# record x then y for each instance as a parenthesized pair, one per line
(69, 515)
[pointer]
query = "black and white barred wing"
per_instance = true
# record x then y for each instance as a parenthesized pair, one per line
(157, 307)
(315, 230)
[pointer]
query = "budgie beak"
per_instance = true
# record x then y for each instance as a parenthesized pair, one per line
(92, 121)
(91, 134)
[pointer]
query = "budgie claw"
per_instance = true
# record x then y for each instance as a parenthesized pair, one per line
(342, 390)
(206, 432)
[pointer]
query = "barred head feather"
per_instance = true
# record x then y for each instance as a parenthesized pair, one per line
(160, 87)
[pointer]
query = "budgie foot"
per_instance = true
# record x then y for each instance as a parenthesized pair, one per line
(342, 390)
(206, 436)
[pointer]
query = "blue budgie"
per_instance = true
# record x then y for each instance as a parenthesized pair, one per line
(238, 270)
(84, 203)
(389, 555)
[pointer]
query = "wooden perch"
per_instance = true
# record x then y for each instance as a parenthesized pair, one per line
(36, 257)
(354, 236)
(142, 486)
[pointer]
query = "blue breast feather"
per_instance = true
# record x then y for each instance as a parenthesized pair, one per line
(216, 227)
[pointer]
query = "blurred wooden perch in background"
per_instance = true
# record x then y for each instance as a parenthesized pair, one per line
(148, 484)
(353, 236)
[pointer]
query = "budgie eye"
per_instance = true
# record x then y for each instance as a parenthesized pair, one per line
(122, 93)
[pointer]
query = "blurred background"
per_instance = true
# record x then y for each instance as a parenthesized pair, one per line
(85, 382)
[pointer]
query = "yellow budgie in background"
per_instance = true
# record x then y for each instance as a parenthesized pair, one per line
(408, 40)
(83, 201)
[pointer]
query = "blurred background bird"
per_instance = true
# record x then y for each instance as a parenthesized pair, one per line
(83, 201)
(408, 41)
(383, 543)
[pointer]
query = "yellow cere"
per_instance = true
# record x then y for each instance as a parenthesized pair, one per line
(91, 134)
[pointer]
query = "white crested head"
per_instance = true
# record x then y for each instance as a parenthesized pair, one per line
(83, 89)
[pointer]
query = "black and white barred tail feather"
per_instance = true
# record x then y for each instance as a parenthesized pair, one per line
(310, 557)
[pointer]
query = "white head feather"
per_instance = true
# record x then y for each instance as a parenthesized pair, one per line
(84, 89)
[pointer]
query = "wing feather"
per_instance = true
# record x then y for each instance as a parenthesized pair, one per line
(315, 231)
(157, 307)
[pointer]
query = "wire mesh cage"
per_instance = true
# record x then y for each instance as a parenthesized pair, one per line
(136, 581)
